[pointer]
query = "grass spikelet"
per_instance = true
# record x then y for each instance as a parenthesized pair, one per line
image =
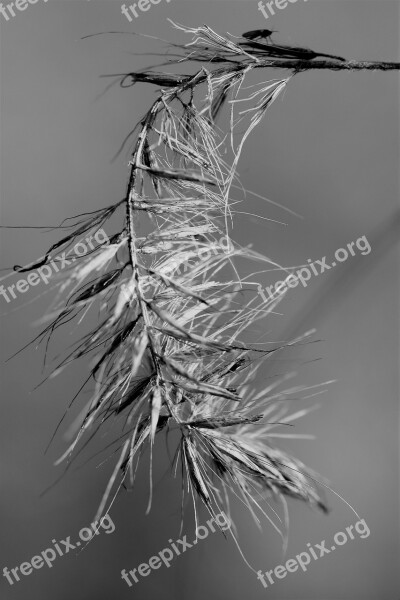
(172, 343)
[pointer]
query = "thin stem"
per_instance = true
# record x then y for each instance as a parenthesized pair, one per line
(332, 65)
(130, 209)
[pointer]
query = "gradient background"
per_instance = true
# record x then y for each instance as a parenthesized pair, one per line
(328, 149)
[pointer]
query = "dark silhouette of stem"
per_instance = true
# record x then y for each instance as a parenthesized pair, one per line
(308, 65)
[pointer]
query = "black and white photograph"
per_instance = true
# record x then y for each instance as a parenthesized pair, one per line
(199, 299)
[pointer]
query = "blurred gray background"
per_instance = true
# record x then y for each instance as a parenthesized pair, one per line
(329, 150)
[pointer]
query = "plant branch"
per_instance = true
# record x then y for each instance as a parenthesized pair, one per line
(332, 65)
(174, 351)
